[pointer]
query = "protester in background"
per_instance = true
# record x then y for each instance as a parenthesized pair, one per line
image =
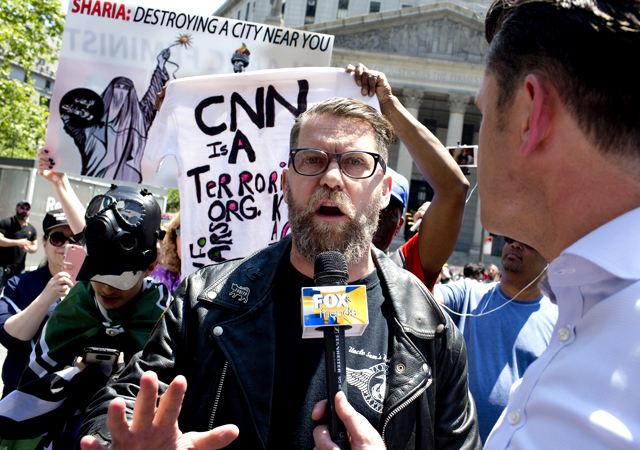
(506, 326)
(115, 306)
(410, 255)
(475, 271)
(426, 252)
(17, 238)
(493, 274)
(168, 270)
(445, 276)
(29, 298)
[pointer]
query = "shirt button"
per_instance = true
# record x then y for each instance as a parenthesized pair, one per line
(514, 417)
(217, 331)
(211, 295)
(564, 334)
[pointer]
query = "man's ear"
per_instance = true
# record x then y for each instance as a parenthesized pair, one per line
(386, 191)
(537, 108)
(283, 182)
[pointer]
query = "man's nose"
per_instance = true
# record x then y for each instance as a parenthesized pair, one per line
(106, 289)
(333, 176)
(516, 244)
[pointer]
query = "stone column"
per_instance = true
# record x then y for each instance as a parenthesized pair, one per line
(411, 99)
(457, 107)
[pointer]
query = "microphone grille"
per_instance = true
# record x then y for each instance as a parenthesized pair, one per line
(330, 268)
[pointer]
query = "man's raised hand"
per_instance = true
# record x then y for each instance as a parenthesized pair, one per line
(157, 429)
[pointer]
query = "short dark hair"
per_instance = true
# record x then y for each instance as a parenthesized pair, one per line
(473, 270)
(585, 49)
(350, 109)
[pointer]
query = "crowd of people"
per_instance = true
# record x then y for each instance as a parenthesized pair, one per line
(133, 356)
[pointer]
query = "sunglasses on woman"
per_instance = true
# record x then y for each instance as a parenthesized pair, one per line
(58, 239)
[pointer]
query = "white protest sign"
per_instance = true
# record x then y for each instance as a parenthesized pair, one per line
(115, 57)
(230, 137)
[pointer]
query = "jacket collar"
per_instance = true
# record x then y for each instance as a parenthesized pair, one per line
(417, 316)
(247, 281)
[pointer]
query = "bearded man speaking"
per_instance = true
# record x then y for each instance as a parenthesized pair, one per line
(234, 331)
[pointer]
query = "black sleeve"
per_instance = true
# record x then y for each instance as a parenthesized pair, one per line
(7, 310)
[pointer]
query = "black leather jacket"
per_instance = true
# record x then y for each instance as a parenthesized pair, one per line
(219, 334)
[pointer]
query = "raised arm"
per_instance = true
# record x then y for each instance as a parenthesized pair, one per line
(71, 205)
(441, 223)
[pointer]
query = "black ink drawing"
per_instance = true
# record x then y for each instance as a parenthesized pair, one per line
(110, 130)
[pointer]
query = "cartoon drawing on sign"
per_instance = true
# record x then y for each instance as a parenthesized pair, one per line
(110, 130)
(240, 59)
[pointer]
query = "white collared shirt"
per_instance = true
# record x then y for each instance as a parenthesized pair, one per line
(583, 392)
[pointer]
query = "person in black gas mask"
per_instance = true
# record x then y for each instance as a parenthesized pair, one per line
(113, 306)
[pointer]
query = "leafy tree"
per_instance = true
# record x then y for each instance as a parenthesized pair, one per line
(173, 200)
(30, 30)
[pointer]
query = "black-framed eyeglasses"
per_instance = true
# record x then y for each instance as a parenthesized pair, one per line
(58, 239)
(129, 210)
(311, 162)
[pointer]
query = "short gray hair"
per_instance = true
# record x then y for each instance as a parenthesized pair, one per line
(350, 109)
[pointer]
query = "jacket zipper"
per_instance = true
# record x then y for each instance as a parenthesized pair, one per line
(400, 408)
(218, 393)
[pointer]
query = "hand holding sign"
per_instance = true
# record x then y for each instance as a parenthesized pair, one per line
(372, 82)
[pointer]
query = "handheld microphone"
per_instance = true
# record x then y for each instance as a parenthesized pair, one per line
(330, 269)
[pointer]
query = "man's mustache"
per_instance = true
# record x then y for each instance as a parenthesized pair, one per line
(340, 198)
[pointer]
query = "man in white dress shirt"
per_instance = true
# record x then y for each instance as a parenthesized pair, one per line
(560, 171)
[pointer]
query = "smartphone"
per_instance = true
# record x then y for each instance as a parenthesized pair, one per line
(73, 258)
(464, 155)
(107, 358)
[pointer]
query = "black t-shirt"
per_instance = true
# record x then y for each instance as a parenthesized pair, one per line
(14, 257)
(300, 380)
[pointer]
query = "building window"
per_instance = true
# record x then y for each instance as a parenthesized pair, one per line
(374, 7)
(431, 124)
(239, 12)
(310, 17)
(468, 129)
(343, 7)
(45, 101)
(246, 14)
(47, 85)
(404, 5)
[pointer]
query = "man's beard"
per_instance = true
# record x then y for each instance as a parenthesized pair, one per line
(513, 266)
(22, 215)
(352, 237)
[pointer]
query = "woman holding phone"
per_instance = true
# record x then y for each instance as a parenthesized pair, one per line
(30, 297)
